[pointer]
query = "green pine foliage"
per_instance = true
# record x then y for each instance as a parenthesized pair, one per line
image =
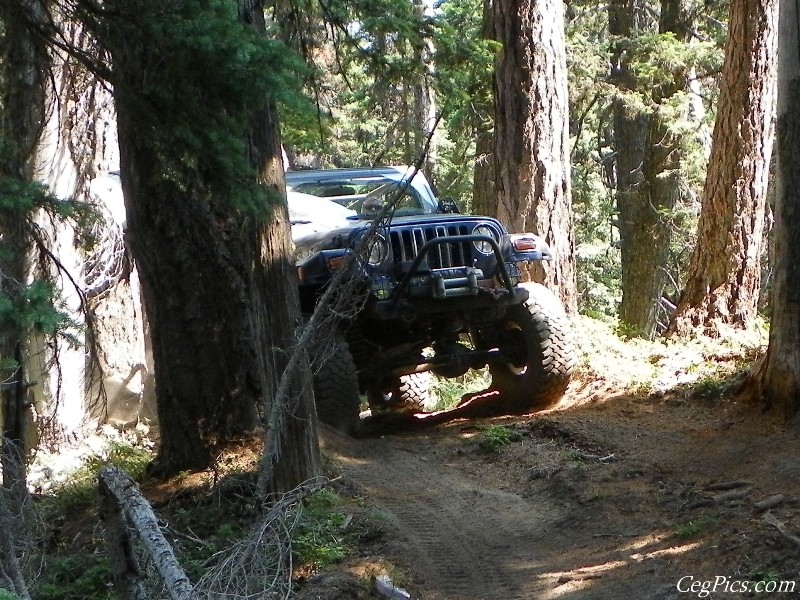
(205, 67)
(33, 306)
(659, 63)
(464, 64)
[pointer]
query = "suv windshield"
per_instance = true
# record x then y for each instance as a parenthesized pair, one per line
(363, 192)
(366, 195)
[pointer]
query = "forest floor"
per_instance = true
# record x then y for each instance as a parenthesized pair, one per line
(642, 484)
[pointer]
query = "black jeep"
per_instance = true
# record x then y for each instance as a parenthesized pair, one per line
(442, 294)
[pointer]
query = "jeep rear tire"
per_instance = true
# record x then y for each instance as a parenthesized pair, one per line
(407, 394)
(336, 388)
(536, 340)
(412, 393)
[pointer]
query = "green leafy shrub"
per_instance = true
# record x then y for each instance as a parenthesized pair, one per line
(695, 527)
(494, 437)
(81, 576)
(322, 537)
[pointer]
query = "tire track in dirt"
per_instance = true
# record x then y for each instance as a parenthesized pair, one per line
(466, 540)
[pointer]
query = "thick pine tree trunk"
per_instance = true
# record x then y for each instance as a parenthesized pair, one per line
(781, 377)
(663, 178)
(23, 68)
(276, 307)
(630, 136)
(217, 283)
(193, 253)
(725, 274)
(196, 255)
(532, 134)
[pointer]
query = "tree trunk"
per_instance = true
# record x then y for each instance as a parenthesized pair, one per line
(630, 133)
(11, 575)
(725, 272)
(23, 67)
(648, 168)
(23, 70)
(122, 502)
(278, 313)
(663, 176)
(216, 279)
(531, 134)
(781, 376)
(424, 106)
(192, 257)
(484, 194)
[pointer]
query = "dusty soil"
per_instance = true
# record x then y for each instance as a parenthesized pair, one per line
(614, 495)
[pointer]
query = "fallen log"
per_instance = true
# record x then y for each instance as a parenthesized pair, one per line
(770, 502)
(779, 525)
(727, 485)
(124, 504)
(732, 495)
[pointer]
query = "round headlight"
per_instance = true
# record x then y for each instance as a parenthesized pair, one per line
(377, 250)
(482, 246)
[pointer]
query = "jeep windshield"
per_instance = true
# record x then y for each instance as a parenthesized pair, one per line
(366, 191)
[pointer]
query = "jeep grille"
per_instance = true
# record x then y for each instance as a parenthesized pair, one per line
(406, 244)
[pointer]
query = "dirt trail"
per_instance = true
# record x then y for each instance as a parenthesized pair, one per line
(600, 503)
(466, 540)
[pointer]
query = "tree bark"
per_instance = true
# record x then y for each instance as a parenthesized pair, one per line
(192, 257)
(780, 383)
(424, 106)
(123, 500)
(484, 195)
(278, 313)
(197, 254)
(724, 277)
(648, 169)
(532, 135)
(24, 63)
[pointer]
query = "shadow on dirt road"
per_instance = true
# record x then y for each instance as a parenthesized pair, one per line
(609, 501)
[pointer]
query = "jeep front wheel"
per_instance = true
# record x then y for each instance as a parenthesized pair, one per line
(336, 387)
(536, 342)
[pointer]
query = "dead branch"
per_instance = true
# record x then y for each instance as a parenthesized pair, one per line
(117, 488)
(727, 485)
(125, 568)
(773, 520)
(732, 495)
(260, 566)
(384, 587)
(770, 502)
(11, 577)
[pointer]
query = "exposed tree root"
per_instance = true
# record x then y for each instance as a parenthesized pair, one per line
(488, 403)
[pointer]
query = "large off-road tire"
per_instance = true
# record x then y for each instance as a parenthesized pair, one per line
(413, 392)
(406, 394)
(336, 388)
(536, 339)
